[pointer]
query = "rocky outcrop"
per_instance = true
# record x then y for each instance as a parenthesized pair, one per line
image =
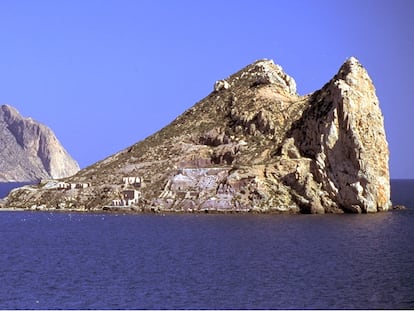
(252, 145)
(342, 132)
(30, 151)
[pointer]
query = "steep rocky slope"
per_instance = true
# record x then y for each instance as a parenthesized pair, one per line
(253, 145)
(29, 151)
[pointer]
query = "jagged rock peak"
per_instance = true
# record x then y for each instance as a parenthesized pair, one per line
(350, 65)
(10, 112)
(261, 72)
(343, 131)
(9, 109)
(353, 73)
(29, 150)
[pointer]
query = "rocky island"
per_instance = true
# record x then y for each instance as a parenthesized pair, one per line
(252, 145)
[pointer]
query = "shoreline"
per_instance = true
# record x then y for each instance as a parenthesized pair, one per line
(171, 212)
(11, 209)
(140, 212)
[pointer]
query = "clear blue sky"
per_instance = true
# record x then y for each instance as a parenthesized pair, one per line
(106, 74)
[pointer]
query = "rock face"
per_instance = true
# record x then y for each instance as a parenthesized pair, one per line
(252, 145)
(30, 151)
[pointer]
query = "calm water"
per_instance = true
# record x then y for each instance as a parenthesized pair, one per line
(77, 261)
(5, 187)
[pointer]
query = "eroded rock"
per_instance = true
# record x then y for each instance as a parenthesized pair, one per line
(30, 151)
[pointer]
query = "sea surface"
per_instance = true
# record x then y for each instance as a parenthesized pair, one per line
(5, 187)
(108, 261)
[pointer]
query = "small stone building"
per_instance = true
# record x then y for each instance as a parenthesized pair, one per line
(67, 186)
(63, 186)
(132, 181)
(129, 197)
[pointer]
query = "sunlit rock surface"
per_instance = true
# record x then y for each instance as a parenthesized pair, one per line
(30, 151)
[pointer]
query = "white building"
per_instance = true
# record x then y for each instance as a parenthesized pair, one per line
(132, 181)
(129, 197)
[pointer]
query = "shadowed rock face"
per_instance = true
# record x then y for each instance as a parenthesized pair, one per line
(30, 151)
(253, 144)
(342, 132)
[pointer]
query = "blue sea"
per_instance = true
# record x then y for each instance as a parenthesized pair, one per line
(109, 261)
(5, 187)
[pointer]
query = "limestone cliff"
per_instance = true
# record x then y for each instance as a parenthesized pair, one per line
(29, 150)
(253, 145)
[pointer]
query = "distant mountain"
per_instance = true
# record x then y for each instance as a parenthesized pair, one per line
(29, 151)
(252, 145)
